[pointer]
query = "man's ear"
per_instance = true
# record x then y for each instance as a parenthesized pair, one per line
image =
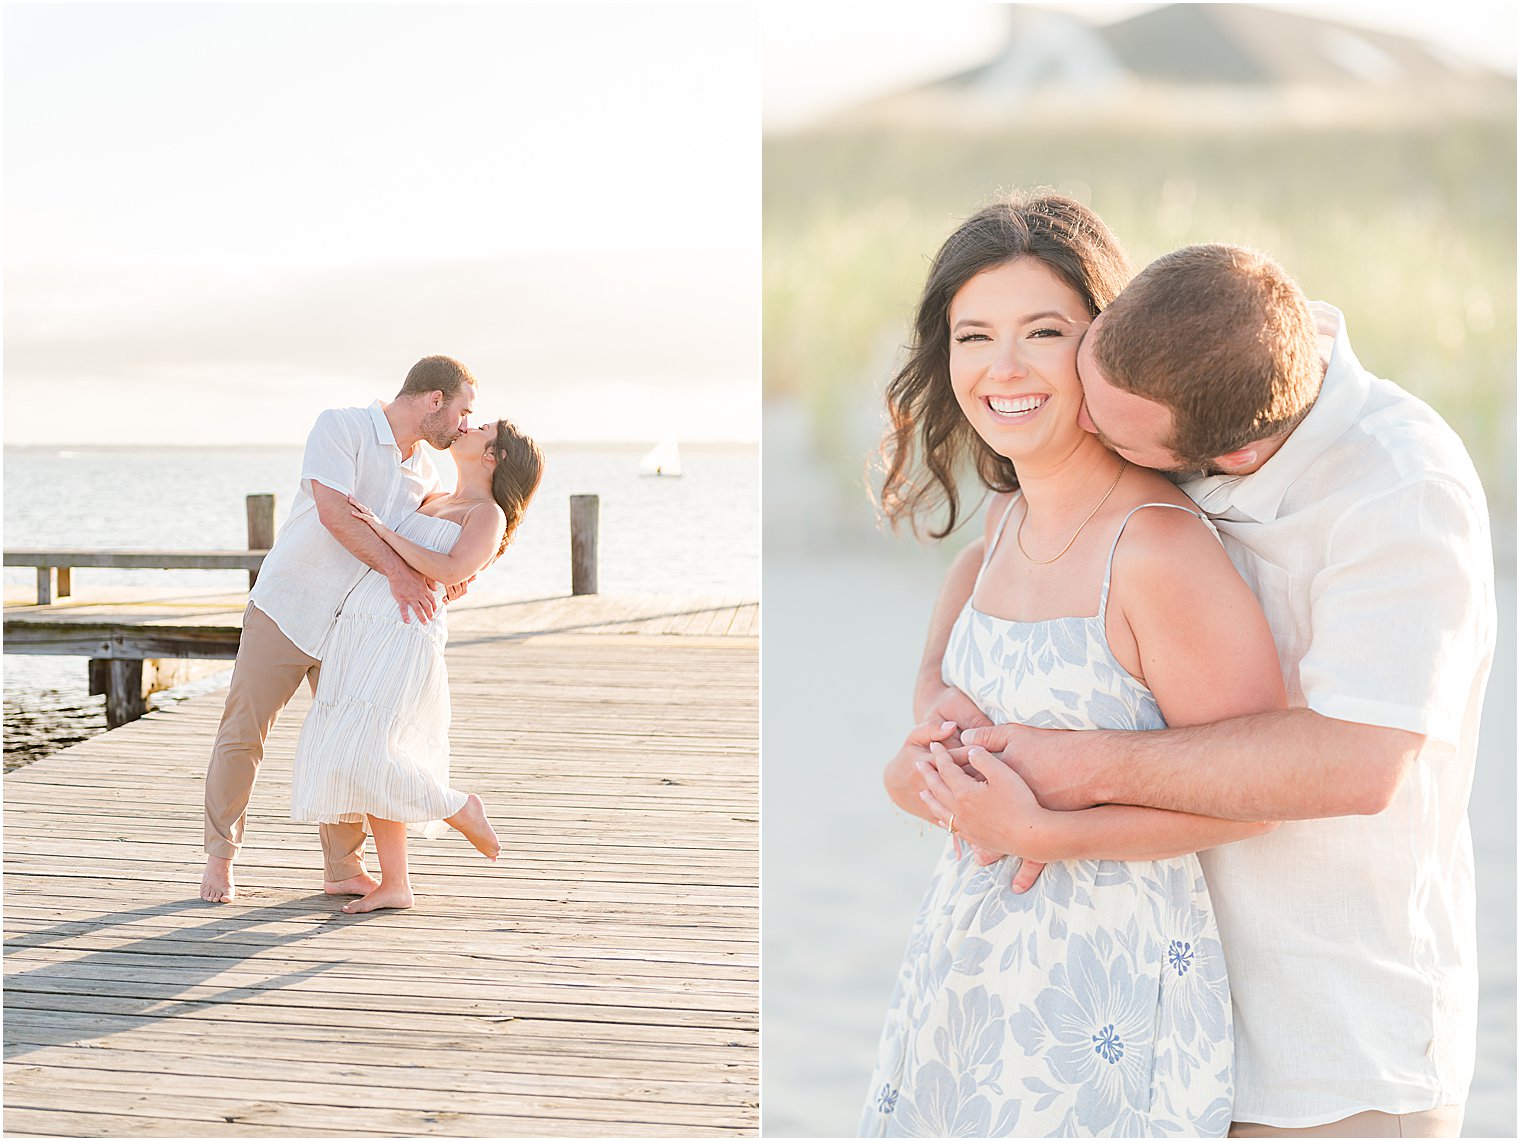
(436, 399)
(1236, 462)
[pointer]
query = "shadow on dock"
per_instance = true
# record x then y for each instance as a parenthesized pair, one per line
(98, 973)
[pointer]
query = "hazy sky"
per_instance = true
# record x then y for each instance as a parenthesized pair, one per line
(222, 218)
(823, 57)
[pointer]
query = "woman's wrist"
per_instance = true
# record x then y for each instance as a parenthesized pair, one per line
(1046, 835)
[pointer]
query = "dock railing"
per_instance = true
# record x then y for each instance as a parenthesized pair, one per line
(55, 566)
(129, 661)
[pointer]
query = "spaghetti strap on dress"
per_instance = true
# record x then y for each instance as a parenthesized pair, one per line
(1096, 1003)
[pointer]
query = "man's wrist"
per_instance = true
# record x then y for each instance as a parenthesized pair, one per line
(926, 694)
(398, 569)
(1092, 764)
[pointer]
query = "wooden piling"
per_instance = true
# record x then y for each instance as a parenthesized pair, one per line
(260, 528)
(585, 511)
(125, 684)
(125, 700)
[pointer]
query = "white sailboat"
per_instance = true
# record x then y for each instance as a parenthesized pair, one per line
(663, 459)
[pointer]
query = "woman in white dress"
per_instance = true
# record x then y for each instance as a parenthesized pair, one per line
(1095, 1003)
(375, 747)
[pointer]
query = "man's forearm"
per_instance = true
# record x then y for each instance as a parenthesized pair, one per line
(1292, 764)
(360, 540)
(959, 582)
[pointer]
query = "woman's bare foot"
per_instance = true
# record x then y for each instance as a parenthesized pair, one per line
(361, 884)
(383, 896)
(471, 821)
(216, 881)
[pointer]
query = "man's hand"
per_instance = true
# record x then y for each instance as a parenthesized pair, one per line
(458, 590)
(950, 704)
(1049, 761)
(413, 593)
(987, 802)
(901, 779)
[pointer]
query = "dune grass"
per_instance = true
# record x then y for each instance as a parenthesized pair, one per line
(1409, 230)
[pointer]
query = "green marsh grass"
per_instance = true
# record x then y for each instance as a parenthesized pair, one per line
(1410, 231)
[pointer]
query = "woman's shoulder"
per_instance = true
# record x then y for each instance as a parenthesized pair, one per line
(461, 512)
(1142, 486)
(1162, 528)
(486, 514)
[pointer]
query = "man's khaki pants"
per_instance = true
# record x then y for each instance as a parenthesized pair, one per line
(1446, 1121)
(268, 672)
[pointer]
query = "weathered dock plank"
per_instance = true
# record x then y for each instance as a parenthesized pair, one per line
(207, 623)
(601, 980)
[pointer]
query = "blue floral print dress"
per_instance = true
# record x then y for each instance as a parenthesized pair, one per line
(1096, 1003)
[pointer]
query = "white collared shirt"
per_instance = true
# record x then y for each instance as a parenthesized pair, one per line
(1351, 942)
(308, 573)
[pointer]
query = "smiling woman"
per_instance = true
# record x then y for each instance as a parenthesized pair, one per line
(1010, 366)
(1055, 1004)
(1079, 267)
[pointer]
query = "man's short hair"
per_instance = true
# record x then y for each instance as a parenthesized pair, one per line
(437, 374)
(1221, 336)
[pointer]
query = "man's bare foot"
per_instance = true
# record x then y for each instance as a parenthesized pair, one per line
(361, 884)
(383, 896)
(471, 821)
(216, 881)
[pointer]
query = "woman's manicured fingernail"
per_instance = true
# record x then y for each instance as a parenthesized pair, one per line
(943, 725)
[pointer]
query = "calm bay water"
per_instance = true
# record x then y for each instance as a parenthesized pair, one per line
(699, 533)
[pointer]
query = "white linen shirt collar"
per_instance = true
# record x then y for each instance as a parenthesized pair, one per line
(383, 432)
(1258, 497)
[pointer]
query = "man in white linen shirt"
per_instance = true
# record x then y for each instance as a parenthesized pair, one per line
(320, 554)
(1355, 514)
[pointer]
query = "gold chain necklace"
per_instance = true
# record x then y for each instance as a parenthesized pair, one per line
(1018, 535)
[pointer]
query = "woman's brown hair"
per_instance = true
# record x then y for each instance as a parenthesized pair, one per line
(927, 429)
(519, 470)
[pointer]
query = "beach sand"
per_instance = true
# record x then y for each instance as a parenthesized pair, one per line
(844, 871)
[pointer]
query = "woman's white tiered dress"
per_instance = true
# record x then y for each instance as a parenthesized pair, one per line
(1096, 1003)
(376, 742)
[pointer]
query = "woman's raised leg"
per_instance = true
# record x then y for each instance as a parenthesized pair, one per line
(395, 888)
(471, 821)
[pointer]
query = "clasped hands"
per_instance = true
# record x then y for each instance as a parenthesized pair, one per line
(977, 795)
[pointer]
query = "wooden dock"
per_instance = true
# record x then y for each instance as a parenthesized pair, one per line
(601, 980)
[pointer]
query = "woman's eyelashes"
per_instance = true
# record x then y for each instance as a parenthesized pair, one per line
(1044, 332)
